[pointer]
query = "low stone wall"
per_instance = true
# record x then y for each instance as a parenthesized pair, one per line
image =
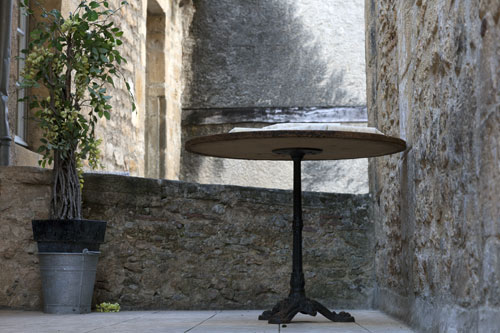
(176, 245)
(24, 196)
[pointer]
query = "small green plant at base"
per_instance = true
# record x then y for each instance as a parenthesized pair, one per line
(108, 307)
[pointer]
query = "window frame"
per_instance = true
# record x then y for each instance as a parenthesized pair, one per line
(22, 33)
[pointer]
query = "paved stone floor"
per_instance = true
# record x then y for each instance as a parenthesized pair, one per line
(190, 321)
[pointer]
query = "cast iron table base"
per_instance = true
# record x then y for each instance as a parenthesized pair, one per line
(296, 302)
(285, 310)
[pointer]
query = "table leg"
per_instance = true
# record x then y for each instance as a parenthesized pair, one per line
(285, 310)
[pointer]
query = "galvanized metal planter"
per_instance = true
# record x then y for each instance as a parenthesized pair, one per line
(68, 251)
(68, 281)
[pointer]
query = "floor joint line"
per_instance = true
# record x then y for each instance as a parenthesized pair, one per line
(120, 322)
(192, 328)
(363, 327)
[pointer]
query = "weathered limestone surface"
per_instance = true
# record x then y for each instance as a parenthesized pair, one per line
(286, 53)
(176, 245)
(24, 196)
(124, 146)
(276, 53)
(433, 78)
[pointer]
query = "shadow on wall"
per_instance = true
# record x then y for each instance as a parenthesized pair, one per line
(253, 53)
(257, 53)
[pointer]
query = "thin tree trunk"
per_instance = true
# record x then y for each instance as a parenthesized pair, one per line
(66, 195)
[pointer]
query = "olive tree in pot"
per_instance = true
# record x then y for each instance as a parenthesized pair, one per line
(74, 59)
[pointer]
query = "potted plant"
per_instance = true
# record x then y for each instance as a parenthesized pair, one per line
(72, 59)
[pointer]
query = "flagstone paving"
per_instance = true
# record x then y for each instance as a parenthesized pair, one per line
(233, 321)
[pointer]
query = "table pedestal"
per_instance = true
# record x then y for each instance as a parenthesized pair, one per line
(296, 302)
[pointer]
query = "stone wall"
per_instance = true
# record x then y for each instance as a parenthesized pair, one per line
(176, 245)
(124, 135)
(24, 196)
(274, 55)
(433, 79)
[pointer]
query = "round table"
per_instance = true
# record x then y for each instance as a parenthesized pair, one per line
(296, 145)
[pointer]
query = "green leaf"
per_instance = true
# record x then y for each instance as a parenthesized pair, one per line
(35, 34)
(107, 115)
(93, 4)
(110, 80)
(118, 34)
(84, 26)
(55, 13)
(105, 3)
(92, 16)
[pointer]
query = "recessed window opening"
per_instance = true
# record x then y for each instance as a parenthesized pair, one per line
(156, 106)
